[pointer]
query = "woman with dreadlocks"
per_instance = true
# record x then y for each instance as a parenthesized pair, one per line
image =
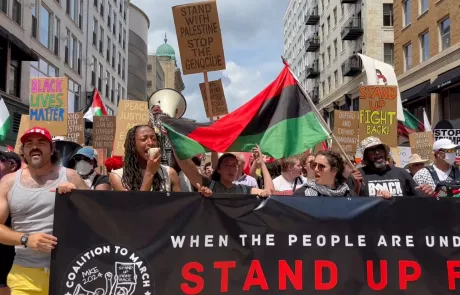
(142, 171)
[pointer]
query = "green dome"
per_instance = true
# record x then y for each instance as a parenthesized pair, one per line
(166, 50)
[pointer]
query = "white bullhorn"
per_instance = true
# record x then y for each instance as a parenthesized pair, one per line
(170, 101)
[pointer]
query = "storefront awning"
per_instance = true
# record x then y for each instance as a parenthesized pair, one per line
(415, 92)
(445, 80)
(24, 52)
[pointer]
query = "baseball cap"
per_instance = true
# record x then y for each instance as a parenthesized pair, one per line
(11, 156)
(444, 144)
(88, 152)
(36, 131)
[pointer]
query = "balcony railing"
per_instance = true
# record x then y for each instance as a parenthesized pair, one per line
(312, 44)
(352, 66)
(352, 29)
(312, 17)
(312, 71)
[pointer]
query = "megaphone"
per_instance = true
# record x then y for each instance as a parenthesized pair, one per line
(66, 151)
(170, 101)
(79, 290)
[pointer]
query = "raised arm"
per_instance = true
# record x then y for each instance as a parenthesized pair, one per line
(268, 182)
(115, 180)
(214, 160)
(175, 181)
(190, 171)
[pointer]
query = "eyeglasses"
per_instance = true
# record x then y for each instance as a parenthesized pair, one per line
(313, 166)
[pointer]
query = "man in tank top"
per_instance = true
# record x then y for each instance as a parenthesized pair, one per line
(28, 196)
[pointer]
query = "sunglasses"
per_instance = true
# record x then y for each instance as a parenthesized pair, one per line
(313, 166)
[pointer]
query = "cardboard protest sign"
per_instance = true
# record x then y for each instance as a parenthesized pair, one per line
(404, 155)
(75, 128)
(346, 131)
(421, 143)
(23, 127)
(130, 113)
(377, 113)
(104, 131)
(219, 104)
(199, 37)
(48, 104)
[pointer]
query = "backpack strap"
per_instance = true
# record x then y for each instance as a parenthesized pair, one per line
(433, 173)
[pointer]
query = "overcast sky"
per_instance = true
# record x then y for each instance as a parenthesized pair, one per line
(253, 43)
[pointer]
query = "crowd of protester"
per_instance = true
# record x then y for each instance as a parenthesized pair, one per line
(29, 182)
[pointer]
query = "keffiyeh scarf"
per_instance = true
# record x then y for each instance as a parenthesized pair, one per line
(314, 189)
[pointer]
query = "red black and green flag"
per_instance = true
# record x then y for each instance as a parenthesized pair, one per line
(410, 125)
(279, 119)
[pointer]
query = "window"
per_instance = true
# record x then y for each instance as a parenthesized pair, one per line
(149, 84)
(113, 55)
(112, 93)
(15, 78)
(124, 40)
(335, 16)
(101, 41)
(329, 84)
(74, 10)
(323, 62)
(119, 93)
(45, 27)
(110, 112)
(109, 17)
(17, 12)
(95, 3)
(329, 55)
(322, 33)
(408, 56)
(107, 83)
(423, 6)
(93, 71)
(80, 15)
(123, 88)
(328, 25)
(4, 6)
(119, 63)
(123, 70)
(67, 45)
(343, 45)
(34, 22)
(43, 68)
(72, 50)
(407, 12)
(73, 96)
(119, 33)
(95, 27)
(342, 8)
(57, 33)
(335, 48)
(79, 56)
(114, 23)
(109, 44)
(444, 28)
(149, 68)
(425, 46)
(323, 89)
(336, 79)
(388, 53)
(100, 77)
(102, 9)
(388, 15)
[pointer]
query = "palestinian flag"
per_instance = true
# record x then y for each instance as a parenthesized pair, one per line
(97, 108)
(5, 120)
(410, 125)
(279, 119)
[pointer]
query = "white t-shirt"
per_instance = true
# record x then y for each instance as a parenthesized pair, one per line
(441, 174)
(281, 184)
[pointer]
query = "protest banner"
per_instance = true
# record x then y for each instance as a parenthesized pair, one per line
(218, 102)
(48, 104)
(23, 127)
(288, 245)
(104, 128)
(199, 37)
(421, 143)
(346, 131)
(130, 113)
(75, 128)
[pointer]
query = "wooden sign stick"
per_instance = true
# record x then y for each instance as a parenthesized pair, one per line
(208, 96)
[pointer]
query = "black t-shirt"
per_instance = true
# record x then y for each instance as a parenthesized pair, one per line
(100, 179)
(394, 179)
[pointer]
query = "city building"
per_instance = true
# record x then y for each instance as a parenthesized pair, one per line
(139, 24)
(427, 57)
(322, 39)
(15, 55)
(84, 41)
(155, 75)
(172, 74)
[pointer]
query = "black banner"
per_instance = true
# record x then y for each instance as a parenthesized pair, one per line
(123, 243)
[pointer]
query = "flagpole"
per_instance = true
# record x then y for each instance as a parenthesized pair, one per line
(321, 119)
